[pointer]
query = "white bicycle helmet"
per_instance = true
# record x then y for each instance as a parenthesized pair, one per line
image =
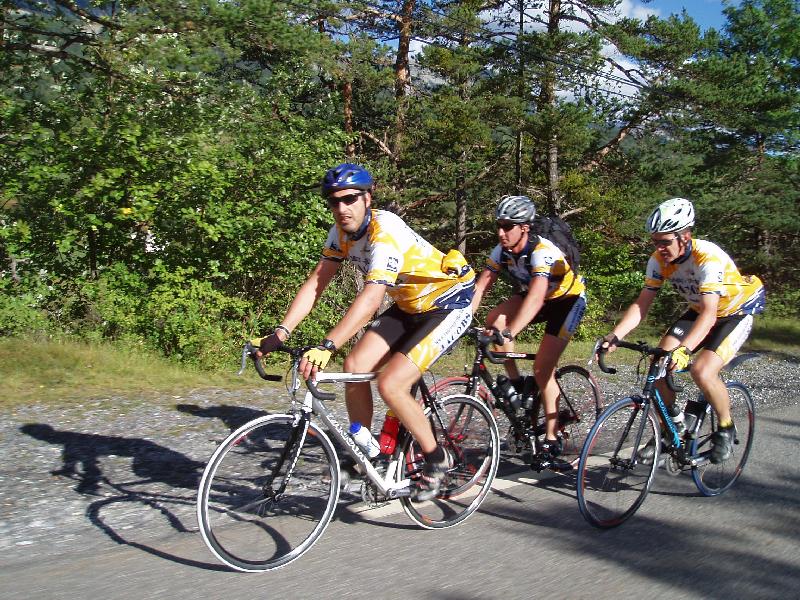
(671, 216)
(517, 209)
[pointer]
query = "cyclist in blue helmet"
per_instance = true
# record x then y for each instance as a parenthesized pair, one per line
(432, 293)
(346, 176)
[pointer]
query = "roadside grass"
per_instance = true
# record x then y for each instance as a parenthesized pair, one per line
(60, 372)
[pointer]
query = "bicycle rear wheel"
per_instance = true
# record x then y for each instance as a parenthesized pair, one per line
(712, 479)
(578, 408)
(251, 515)
(464, 426)
(613, 481)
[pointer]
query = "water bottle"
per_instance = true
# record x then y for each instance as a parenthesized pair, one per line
(529, 392)
(388, 438)
(692, 412)
(507, 391)
(363, 437)
(677, 418)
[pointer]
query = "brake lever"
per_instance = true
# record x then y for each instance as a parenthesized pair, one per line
(595, 350)
(246, 352)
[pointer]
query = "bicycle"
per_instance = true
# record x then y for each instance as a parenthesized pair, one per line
(613, 476)
(270, 489)
(579, 401)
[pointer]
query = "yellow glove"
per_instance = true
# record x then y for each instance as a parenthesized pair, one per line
(454, 264)
(318, 357)
(681, 358)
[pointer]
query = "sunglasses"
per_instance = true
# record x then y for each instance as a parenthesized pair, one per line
(664, 243)
(347, 200)
(505, 226)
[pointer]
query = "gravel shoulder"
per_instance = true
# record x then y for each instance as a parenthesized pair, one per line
(81, 476)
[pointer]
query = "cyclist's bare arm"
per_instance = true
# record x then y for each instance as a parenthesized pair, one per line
(634, 315)
(359, 314)
(484, 283)
(309, 292)
(531, 305)
(706, 317)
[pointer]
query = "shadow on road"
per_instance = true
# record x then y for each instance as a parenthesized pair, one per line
(164, 481)
(232, 416)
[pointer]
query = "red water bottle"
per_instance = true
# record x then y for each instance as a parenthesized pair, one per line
(388, 437)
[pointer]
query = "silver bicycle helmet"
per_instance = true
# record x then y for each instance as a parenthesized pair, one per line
(517, 209)
(676, 214)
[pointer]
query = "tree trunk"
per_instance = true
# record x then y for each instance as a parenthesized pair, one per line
(402, 75)
(548, 99)
(347, 97)
(521, 93)
(461, 215)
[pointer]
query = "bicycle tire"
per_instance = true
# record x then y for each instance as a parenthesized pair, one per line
(611, 484)
(579, 405)
(249, 528)
(459, 384)
(470, 436)
(714, 479)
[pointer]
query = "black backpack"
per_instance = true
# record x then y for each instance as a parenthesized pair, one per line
(557, 230)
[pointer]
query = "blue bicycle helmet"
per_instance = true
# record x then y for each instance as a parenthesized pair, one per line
(345, 177)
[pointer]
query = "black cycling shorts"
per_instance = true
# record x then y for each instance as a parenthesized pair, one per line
(562, 316)
(725, 338)
(422, 337)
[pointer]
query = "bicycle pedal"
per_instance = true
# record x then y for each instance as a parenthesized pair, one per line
(672, 466)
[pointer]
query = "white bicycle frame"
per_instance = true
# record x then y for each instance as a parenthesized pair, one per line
(387, 484)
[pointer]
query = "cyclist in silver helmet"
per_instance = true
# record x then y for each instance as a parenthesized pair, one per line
(546, 289)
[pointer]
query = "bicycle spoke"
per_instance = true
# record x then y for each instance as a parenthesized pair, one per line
(256, 515)
(713, 479)
(465, 429)
(613, 476)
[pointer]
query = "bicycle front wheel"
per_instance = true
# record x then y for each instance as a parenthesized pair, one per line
(613, 479)
(465, 428)
(578, 408)
(268, 493)
(460, 384)
(714, 479)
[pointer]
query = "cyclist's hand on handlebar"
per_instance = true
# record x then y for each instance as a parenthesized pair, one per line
(680, 358)
(608, 343)
(266, 345)
(499, 338)
(317, 358)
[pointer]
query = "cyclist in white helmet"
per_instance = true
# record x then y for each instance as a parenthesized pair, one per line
(546, 289)
(722, 303)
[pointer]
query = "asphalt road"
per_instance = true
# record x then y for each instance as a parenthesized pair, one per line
(528, 540)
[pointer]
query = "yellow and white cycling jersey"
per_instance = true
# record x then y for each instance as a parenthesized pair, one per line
(540, 258)
(707, 269)
(388, 251)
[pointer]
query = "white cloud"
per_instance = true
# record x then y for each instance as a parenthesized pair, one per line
(634, 10)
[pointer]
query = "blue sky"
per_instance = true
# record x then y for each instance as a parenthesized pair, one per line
(707, 13)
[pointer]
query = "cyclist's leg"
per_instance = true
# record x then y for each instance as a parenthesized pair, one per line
(562, 318)
(432, 336)
(671, 340)
(544, 368)
(499, 318)
(668, 342)
(369, 354)
(705, 370)
(394, 385)
(426, 338)
(718, 348)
